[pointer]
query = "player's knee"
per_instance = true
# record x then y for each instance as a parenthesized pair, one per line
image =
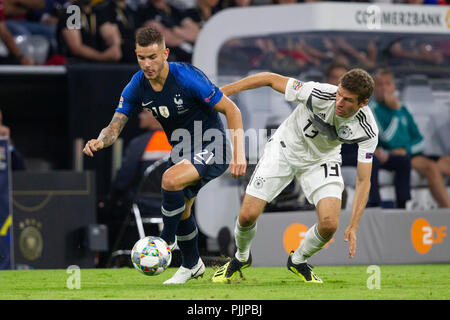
(327, 227)
(247, 218)
(169, 182)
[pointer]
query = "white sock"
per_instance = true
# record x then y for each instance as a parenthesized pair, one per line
(243, 237)
(312, 243)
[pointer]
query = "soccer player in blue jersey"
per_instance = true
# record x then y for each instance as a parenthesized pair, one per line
(184, 101)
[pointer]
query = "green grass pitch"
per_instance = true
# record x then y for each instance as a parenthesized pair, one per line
(397, 282)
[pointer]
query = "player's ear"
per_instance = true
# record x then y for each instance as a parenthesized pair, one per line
(364, 103)
(166, 53)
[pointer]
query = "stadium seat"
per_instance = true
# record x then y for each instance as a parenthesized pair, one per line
(144, 218)
(417, 94)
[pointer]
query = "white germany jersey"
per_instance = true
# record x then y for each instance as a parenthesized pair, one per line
(314, 133)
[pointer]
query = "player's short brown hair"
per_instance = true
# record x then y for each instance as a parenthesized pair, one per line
(146, 36)
(359, 82)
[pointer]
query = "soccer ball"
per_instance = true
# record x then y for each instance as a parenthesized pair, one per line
(151, 256)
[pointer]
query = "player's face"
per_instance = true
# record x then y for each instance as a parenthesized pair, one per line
(347, 103)
(151, 59)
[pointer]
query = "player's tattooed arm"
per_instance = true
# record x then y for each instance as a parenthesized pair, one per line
(110, 134)
(107, 136)
(258, 80)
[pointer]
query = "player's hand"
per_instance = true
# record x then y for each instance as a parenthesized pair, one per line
(350, 237)
(238, 167)
(92, 146)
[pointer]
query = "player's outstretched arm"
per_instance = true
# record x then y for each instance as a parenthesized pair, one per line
(107, 136)
(238, 164)
(362, 189)
(258, 80)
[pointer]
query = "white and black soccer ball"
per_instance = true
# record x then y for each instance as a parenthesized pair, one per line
(151, 256)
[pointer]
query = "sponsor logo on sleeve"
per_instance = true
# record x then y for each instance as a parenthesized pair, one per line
(208, 99)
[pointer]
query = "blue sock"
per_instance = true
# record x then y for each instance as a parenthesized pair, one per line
(187, 239)
(172, 208)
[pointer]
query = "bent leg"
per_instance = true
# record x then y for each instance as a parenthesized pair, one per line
(429, 170)
(174, 180)
(245, 229)
(444, 165)
(328, 210)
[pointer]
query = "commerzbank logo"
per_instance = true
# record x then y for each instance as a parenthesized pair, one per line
(375, 17)
(424, 235)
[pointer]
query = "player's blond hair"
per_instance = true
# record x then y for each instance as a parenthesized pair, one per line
(359, 82)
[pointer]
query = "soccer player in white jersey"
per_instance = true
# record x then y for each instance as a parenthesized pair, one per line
(307, 146)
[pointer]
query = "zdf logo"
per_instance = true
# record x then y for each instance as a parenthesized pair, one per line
(423, 235)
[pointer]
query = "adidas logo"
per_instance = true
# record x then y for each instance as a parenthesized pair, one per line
(322, 115)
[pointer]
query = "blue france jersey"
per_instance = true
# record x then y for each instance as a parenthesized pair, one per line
(187, 96)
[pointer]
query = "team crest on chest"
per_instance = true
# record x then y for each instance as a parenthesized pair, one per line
(344, 132)
(179, 103)
(164, 111)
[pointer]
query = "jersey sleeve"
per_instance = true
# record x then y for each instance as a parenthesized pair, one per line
(129, 99)
(301, 91)
(297, 90)
(198, 84)
(366, 149)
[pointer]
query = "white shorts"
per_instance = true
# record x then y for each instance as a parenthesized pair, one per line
(273, 173)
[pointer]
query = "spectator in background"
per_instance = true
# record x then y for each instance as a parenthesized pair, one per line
(17, 162)
(15, 55)
(417, 50)
(180, 31)
(284, 1)
(18, 22)
(49, 14)
(400, 135)
(204, 11)
(92, 42)
(117, 12)
(400, 164)
(235, 3)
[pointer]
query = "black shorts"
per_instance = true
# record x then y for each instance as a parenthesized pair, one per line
(209, 162)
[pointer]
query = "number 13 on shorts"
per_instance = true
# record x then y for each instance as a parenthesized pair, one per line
(319, 176)
(330, 170)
